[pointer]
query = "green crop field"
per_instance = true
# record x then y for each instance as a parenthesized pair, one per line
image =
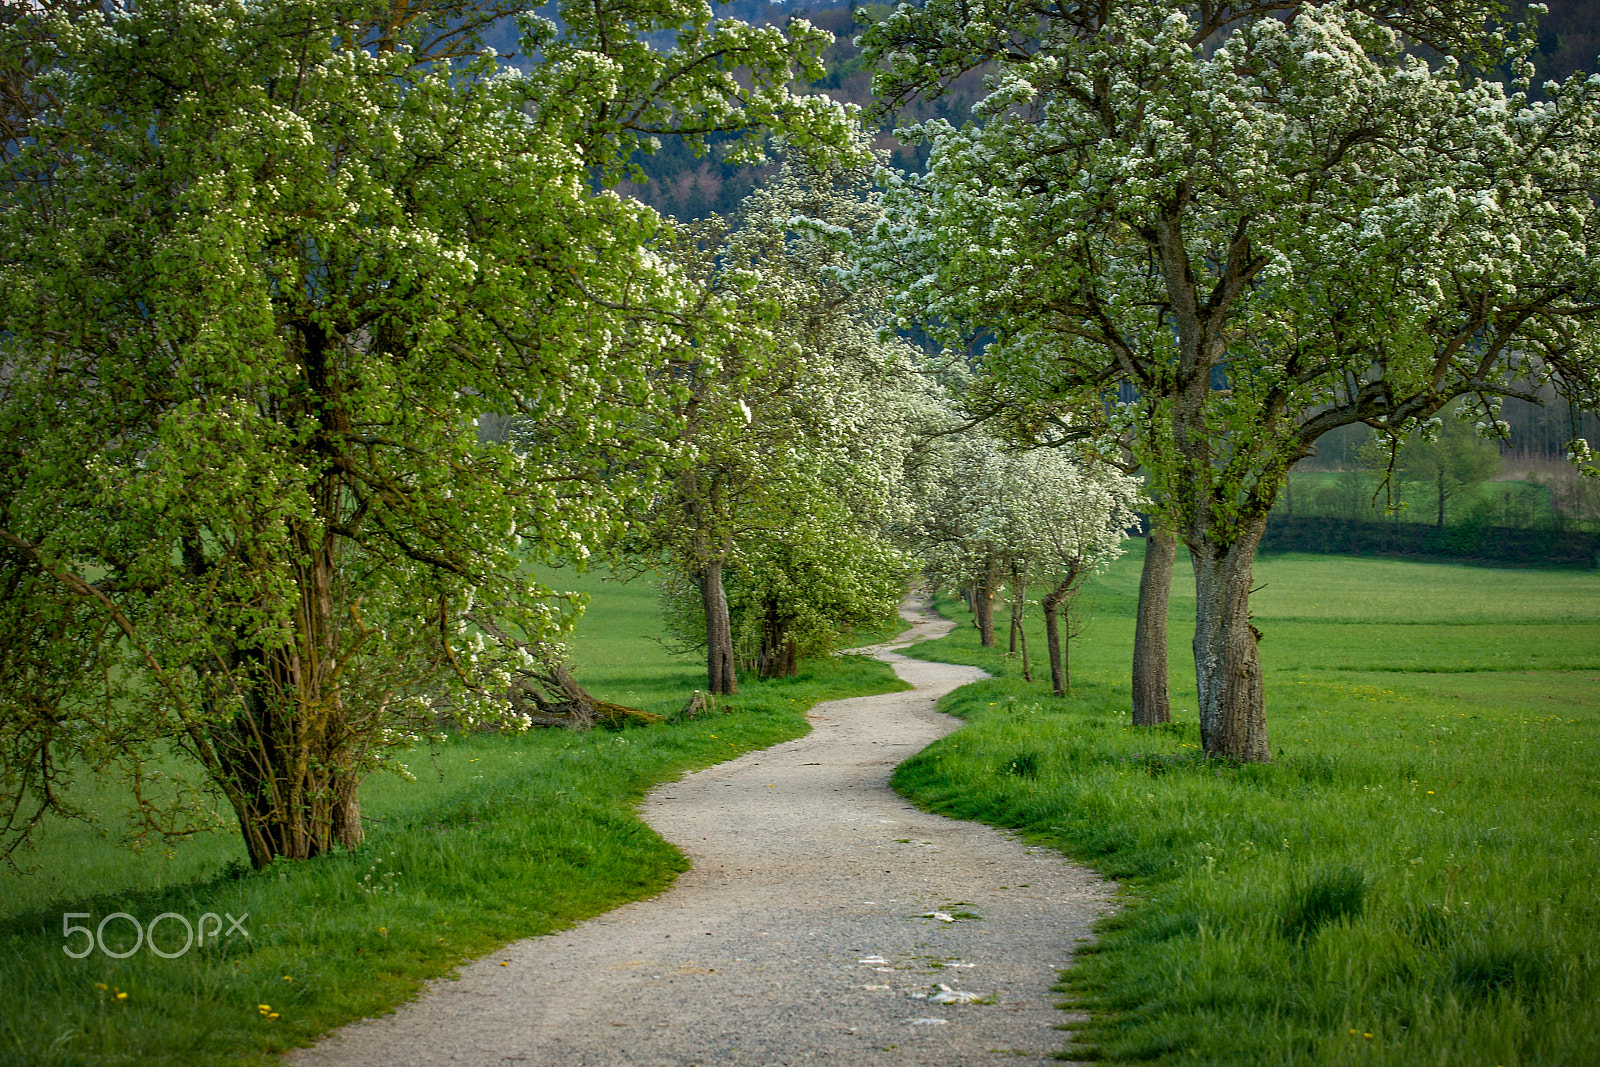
(1410, 881)
(497, 838)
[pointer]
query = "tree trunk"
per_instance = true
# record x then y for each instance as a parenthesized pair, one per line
(720, 675)
(1022, 642)
(983, 597)
(1052, 645)
(1151, 700)
(1233, 721)
(1055, 647)
(347, 830)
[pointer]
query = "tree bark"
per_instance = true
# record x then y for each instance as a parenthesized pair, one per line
(1233, 721)
(983, 600)
(1022, 643)
(721, 678)
(1055, 646)
(347, 829)
(1052, 644)
(1152, 702)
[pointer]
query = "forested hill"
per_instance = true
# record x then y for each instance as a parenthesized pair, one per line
(689, 188)
(1569, 38)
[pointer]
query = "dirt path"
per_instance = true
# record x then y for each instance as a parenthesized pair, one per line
(801, 935)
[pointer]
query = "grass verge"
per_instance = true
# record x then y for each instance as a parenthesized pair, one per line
(499, 838)
(1410, 881)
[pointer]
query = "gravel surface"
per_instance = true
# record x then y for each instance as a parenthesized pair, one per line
(824, 920)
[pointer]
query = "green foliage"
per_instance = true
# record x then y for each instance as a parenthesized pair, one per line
(1428, 823)
(793, 440)
(501, 836)
(265, 265)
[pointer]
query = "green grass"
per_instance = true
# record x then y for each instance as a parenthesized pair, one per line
(1410, 881)
(499, 837)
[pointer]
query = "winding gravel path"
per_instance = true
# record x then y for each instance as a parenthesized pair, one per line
(802, 933)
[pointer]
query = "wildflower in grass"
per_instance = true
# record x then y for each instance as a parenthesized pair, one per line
(122, 996)
(100, 986)
(264, 1009)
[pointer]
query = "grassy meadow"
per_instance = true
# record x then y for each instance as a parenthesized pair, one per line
(498, 838)
(1412, 880)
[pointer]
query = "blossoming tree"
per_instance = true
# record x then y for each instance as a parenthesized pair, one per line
(793, 436)
(1262, 222)
(263, 266)
(1045, 515)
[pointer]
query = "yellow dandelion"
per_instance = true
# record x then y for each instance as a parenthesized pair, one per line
(272, 1015)
(100, 986)
(505, 963)
(122, 996)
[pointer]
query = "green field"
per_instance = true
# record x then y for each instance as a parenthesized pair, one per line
(1410, 881)
(499, 837)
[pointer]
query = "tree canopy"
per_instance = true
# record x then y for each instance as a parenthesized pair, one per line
(1216, 232)
(264, 265)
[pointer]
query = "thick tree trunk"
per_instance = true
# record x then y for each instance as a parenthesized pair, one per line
(1152, 702)
(983, 600)
(347, 830)
(721, 678)
(1233, 722)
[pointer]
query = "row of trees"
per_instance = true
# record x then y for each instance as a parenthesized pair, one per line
(268, 266)
(992, 519)
(264, 266)
(1202, 235)
(802, 519)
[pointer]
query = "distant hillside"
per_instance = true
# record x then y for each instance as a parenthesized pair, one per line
(690, 188)
(1569, 38)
